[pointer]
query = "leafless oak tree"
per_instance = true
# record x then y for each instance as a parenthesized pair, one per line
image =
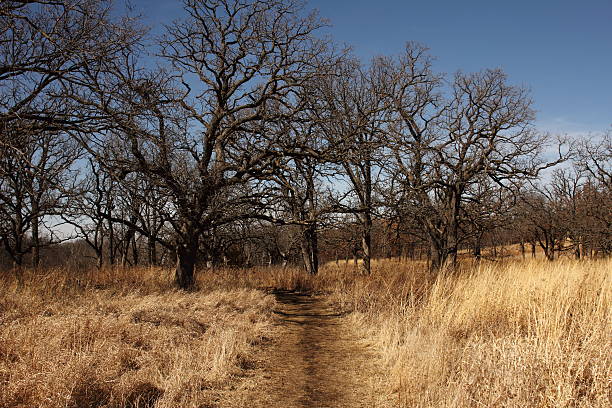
(350, 109)
(42, 45)
(444, 142)
(201, 131)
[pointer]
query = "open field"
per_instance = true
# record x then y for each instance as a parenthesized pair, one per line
(502, 334)
(509, 334)
(124, 344)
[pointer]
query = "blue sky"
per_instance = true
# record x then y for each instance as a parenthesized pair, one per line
(561, 50)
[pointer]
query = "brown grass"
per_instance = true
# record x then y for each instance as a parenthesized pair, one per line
(123, 339)
(499, 334)
(508, 334)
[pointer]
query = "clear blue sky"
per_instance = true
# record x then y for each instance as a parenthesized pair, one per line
(561, 50)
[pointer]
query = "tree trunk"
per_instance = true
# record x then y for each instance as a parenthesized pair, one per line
(310, 249)
(443, 254)
(186, 256)
(18, 271)
(549, 248)
(35, 237)
(579, 249)
(125, 249)
(18, 251)
(550, 254)
(305, 247)
(412, 251)
(437, 256)
(366, 238)
(450, 247)
(315, 250)
(450, 250)
(135, 255)
(477, 250)
(152, 251)
(111, 243)
(100, 259)
(307, 257)
(366, 243)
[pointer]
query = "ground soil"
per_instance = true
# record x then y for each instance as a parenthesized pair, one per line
(313, 360)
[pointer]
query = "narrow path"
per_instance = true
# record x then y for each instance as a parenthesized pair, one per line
(315, 361)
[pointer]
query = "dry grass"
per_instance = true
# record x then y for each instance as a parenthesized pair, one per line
(500, 334)
(507, 334)
(123, 339)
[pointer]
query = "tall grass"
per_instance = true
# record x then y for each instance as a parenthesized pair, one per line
(512, 334)
(508, 334)
(123, 338)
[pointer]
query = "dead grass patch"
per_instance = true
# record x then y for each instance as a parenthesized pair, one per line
(124, 341)
(512, 334)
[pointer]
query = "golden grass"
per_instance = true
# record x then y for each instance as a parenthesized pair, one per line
(508, 334)
(123, 339)
(517, 334)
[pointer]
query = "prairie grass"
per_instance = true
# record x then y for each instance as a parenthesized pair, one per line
(513, 334)
(508, 334)
(123, 338)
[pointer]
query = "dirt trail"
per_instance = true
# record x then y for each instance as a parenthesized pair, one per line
(315, 361)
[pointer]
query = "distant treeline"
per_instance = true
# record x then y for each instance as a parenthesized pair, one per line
(243, 136)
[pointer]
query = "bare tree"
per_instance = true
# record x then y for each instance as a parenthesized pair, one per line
(487, 208)
(201, 132)
(85, 213)
(444, 144)
(595, 158)
(350, 108)
(593, 225)
(544, 212)
(299, 196)
(303, 179)
(35, 182)
(584, 192)
(42, 45)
